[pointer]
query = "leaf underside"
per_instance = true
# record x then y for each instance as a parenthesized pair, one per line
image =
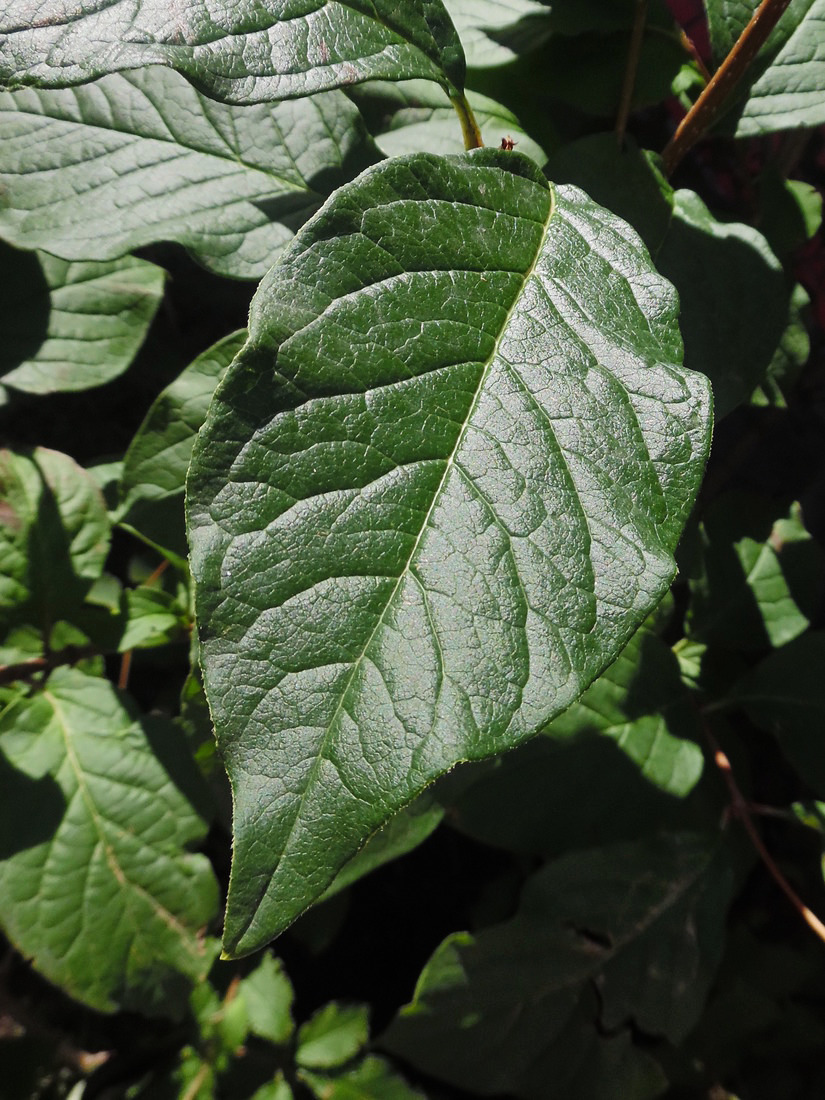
(244, 52)
(438, 489)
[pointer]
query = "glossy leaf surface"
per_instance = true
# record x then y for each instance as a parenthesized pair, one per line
(511, 1010)
(239, 53)
(70, 326)
(98, 888)
(144, 157)
(435, 494)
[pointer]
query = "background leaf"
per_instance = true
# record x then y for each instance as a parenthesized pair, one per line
(782, 89)
(512, 1008)
(155, 465)
(70, 326)
(244, 53)
(785, 695)
(434, 378)
(733, 295)
(97, 886)
(54, 538)
(414, 115)
(335, 1034)
(143, 157)
(759, 579)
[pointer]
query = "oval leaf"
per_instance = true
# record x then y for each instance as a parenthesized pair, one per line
(72, 326)
(97, 887)
(143, 157)
(436, 492)
(244, 52)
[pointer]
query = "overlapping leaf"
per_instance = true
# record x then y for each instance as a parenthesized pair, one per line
(94, 172)
(435, 494)
(154, 468)
(54, 538)
(97, 887)
(244, 52)
(71, 326)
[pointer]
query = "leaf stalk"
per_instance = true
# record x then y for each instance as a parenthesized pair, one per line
(469, 126)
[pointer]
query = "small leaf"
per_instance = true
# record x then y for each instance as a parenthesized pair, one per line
(761, 575)
(785, 695)
(641, 703)
(791, 355)
(70, 326)
(334, 1035)
(54, 538)
(734, 299)
(240, 53)
(268, 995)
(371, 1079)
(152, 617)
(97, 887)
(143, 157)
(434, 496)
(403, 832)
(154, 468)
(511, 1010)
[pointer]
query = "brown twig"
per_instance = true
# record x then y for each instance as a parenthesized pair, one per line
(740, 809)
(32, 666)
(631, 69)
(723, 81)
(690, 47)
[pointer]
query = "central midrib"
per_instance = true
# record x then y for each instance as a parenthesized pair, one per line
(356, 664)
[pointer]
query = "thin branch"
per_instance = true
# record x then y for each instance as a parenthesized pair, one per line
(631, 69)
(469, 126)
(741, 810)
(724, 80)
(33, 666)
(690, 47)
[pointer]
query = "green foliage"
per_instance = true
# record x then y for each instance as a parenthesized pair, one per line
(346, 468)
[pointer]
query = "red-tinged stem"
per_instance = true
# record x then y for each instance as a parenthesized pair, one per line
(741, 810)
(723, 81)
(631, 69)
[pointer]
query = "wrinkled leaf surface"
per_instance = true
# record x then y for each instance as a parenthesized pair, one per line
(435, 494)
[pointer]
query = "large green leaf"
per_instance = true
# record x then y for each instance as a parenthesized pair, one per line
(94, 172)
(244, 52)
(512, 1009)
(154, 468)
(783, 88)
(96, 885)
(435, 494)
(69, 326)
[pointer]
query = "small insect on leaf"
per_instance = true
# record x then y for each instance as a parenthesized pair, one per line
(508, 144)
